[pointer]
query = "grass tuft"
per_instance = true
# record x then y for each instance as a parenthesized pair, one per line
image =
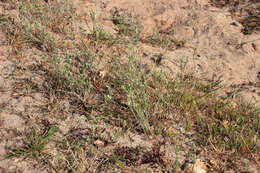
(37, 142)
(164, 39)
(127, 24)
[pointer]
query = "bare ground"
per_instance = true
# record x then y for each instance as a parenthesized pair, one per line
(209, 34)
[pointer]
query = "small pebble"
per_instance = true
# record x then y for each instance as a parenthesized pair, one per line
(99, 143)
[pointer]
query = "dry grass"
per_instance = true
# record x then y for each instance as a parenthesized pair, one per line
(128, 96)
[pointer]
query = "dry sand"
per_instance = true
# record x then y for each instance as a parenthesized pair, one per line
(214, 44)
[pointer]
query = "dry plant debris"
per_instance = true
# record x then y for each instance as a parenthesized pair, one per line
(75, 97)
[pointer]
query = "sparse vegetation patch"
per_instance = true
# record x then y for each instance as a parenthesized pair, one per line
(100, 88)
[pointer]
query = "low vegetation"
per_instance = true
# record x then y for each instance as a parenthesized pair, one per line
(124, 93)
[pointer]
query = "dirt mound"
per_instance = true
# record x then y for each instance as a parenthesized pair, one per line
(217, 40)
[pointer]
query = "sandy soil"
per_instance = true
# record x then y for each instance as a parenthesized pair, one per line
(221, 47)
(214, 44)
